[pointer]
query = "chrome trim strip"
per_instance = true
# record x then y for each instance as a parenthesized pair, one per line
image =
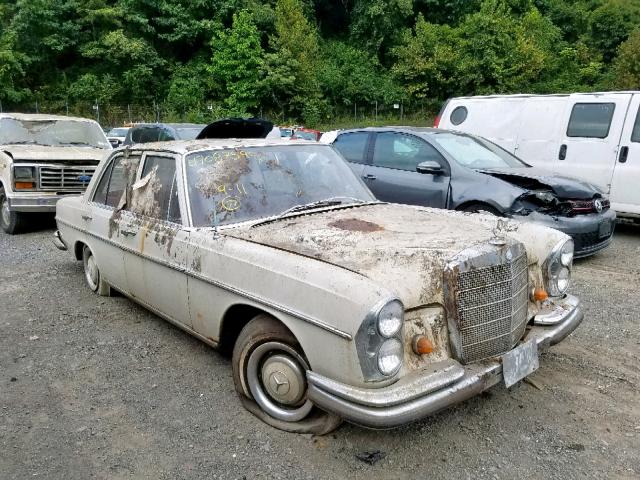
(224, 286)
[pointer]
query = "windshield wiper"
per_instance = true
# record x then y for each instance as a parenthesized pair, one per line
(75, 143)
(327, 202)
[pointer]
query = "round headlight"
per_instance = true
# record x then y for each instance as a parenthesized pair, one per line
(566, 253)
(390, 357)
(558, 269)
(390, 319)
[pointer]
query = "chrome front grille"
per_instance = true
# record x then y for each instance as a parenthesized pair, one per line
(487, 298)
(65, 178)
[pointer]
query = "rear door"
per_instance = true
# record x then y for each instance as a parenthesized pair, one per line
(592, 131)
(392, 176)
(625, 194)
(353, 146)
(105, 218)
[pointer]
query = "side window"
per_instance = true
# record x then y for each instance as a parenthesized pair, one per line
(403, 152)
(635, 135)
(590, 120)
(352, 146)
(100, 196)
(458, 115)
(156, 193)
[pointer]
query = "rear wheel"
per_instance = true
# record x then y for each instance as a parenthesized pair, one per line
(92, 273)
(269, 372)
(10, 221)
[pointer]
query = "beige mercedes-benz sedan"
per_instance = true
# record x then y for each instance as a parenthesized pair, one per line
(333, 305)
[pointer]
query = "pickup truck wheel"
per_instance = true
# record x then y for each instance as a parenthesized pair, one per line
(92, 274)
(269, 371)
(11, 222)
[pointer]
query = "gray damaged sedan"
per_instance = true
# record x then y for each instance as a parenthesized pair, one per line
(333, 305)
(458, 171)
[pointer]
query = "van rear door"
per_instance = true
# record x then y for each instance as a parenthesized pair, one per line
(625, 195)
(592, 131)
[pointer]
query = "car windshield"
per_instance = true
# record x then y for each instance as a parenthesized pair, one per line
(235, 185)
(474, 152)
(188, 133)
(305, 135)
(52, 133)
(118, 132)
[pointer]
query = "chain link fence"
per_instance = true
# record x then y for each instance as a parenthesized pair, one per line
(336, 116)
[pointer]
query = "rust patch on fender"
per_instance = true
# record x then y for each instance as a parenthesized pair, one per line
(356, 225)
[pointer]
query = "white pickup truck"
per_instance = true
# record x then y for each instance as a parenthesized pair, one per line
(42, 159)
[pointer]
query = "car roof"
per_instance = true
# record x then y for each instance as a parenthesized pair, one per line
(189, 146)
(34, 117)
(391, 128)
(172, 125)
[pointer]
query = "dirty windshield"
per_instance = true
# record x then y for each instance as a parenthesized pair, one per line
(52, 133)
(476, 153)
(236, 185)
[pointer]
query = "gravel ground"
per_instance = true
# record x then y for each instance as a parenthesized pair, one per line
(95, 387)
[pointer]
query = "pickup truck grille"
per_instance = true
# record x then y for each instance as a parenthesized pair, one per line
(65, 178)
(487, 300)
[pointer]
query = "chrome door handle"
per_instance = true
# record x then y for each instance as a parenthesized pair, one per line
(127, 233)
(369, 177)
(86, 218)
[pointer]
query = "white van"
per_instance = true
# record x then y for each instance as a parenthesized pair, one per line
(593, 136)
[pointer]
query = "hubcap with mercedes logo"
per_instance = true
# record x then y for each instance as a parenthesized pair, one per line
(283, 379)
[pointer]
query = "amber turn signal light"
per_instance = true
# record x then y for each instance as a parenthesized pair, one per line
(422, 345)
(24, 185)
(540, 295)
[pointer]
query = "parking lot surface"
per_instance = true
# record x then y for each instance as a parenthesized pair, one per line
(94, 387)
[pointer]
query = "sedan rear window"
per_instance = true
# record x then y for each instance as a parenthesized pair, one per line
(590, 120)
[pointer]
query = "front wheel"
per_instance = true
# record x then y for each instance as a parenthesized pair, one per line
(269, 372)
(92, 274)
(481, 208)
(10, 221)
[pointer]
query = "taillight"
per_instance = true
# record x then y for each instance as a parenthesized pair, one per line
(436, 122)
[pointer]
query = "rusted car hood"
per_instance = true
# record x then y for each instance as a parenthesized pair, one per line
(39, 153)
(402, 248)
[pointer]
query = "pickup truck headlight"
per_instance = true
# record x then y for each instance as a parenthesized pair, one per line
(557, 268)
(379, 341)
(24, 174)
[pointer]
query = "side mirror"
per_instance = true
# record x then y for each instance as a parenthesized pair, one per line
(430, 166)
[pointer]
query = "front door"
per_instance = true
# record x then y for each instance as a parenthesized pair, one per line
(156, 275)
(625, 195)
(589, 146)
(392, 175)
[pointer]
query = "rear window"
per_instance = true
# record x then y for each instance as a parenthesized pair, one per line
(635, 135)
(352, 146)
(590, 120)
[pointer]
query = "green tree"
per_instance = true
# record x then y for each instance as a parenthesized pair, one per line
(236, 64)
(625, 74)
(291, 69)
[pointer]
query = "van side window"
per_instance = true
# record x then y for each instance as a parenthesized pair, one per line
(590, 120)
(352, 146)
(635, 135)
(458, 115)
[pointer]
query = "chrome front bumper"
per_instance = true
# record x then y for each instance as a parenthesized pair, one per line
(58, 241)
(425, 392)
(36, 201)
